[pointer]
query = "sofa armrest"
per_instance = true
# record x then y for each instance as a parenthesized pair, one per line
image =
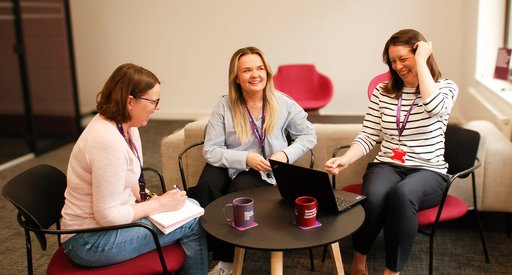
(494, 186)
(170, 147)
(193, 162)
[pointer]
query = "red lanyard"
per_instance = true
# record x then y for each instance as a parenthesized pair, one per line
(142, 181)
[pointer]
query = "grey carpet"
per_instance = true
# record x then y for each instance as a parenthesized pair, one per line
(458, 249)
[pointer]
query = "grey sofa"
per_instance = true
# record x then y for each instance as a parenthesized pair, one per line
(493, 178)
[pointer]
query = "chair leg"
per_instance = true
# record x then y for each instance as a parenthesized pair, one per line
(431, 252)
(28, 246)
(477, 215)
(482, 237)
(509, 224)
(311, 260)
(324, 255)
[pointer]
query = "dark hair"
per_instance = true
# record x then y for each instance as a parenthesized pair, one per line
(127, 80)
(406, 37)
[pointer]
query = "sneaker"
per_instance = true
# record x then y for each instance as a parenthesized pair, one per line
(222, 268)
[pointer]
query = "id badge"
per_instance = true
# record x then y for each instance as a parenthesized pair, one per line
(398, 155)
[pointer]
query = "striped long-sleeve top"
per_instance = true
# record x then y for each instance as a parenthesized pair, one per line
(423, 136)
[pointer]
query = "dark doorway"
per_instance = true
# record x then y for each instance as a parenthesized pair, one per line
(38, 103)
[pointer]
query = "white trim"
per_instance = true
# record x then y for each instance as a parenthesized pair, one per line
(16, 161)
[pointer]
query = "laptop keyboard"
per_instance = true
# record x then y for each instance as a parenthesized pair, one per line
(342, 203)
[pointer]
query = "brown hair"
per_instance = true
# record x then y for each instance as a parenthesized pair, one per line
(236, 99)
(127, 80)
(406, 37)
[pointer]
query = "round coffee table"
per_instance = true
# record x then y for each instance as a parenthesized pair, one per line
(276, 231)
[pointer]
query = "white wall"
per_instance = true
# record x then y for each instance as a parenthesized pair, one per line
(188, 44)
(480, 93)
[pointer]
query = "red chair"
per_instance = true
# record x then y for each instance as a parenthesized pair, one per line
(376, 81)
(38, 195)
(311, 89)
(462, 161)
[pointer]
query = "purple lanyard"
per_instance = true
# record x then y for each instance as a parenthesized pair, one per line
(401, 128)
(142, 181)
(260, 136)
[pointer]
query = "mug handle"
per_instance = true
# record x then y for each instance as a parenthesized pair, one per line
(224, 212)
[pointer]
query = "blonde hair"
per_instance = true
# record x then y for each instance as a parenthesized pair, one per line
(236, 99)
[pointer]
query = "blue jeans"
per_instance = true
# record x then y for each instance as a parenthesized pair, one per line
(114, 246)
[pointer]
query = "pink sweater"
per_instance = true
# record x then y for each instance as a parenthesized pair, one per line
(101, 173)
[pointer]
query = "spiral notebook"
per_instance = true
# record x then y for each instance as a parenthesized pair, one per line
(168, 221)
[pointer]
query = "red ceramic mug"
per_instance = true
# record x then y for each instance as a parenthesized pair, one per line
(305, 211)
(243, 212)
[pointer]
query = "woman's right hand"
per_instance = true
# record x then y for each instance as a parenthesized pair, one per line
(335, 165)
(257, 162)
(172, 200)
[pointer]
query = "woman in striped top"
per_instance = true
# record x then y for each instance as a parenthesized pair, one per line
(408, 114)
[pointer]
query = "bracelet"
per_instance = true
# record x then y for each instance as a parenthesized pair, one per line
(150, 195)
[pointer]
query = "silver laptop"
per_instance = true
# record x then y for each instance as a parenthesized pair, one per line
(294, 181)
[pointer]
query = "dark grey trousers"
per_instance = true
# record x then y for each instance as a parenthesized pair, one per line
(395, 194)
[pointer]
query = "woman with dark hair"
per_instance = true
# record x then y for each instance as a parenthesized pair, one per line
(246, 128)
(105, 182)
(409, 114)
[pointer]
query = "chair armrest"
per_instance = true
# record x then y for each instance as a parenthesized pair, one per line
(159, 175)
(180, 163)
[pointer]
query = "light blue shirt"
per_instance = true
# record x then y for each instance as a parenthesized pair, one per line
(222, 148)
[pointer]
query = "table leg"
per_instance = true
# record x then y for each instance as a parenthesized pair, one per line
(276, 262)
(336, 256)
(238, 260)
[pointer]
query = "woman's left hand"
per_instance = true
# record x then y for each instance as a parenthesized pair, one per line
(280, 156)
(423, 50)
(257, 162)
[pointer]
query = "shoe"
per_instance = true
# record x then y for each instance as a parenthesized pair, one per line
(222, 268)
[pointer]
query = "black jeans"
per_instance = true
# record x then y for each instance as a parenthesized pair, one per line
(395, 194)
(213, 183)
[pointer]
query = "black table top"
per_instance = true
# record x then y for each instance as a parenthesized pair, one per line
(276, 230)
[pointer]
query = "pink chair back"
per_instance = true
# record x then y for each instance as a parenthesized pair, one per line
(311, 89)
(376, 81)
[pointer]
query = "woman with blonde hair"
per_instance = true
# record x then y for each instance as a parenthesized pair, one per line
(246, 128)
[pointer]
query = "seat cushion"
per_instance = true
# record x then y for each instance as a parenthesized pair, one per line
(148, 263)
(353, 188)
(453, 208)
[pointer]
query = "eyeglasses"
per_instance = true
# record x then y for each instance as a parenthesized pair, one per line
(153, 101)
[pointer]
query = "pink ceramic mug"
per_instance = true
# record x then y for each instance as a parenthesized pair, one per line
(305, 211)
(243, 212)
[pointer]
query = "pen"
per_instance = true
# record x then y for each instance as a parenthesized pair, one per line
(176, 188)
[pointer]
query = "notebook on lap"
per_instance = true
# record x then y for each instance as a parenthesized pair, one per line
(294, 181)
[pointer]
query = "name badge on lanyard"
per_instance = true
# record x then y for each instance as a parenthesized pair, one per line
(260, 136)
(142, 181)
(398, 153)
